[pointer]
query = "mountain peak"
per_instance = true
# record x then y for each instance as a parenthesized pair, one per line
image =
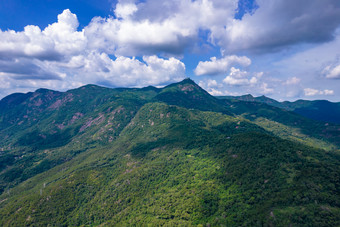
(188, 94)
(185, 85)
(89, 86)
(43, 90)
(188, 80)
(248, 96)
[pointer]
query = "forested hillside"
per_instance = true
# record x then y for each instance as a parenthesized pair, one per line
(176, 155)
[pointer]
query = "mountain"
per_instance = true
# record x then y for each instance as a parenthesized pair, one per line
(163, 156)
(320, 110)
(288, 125)
(189, 95)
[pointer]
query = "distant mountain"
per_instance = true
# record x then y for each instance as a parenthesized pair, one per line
(96, 156)
(320, 110)
(250, 98)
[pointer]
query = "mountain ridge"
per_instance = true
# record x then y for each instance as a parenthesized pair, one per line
(321, 110)
(288, 105)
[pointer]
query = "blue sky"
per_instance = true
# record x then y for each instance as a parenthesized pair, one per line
(284, 49)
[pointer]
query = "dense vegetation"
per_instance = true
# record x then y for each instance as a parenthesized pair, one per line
(172, 156)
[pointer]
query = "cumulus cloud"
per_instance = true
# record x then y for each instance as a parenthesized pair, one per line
(313, 92)
(271, 25)
(276, 24)
(169, 27)
(57, 40)
(120, 72)
(132, 38)
(216, 92)
(155, 31)
(239, 83)
(33, 51)
(154, 27)
(238, 78)
(213, 87)
(332, 71)
(68, 41)
(265, 89)
(292, 81)
(59, 54)
(209, 83)
(125, 71)
(328, 92)
(124, 11)
(220, 66)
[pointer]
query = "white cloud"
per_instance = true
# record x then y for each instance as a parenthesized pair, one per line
(292, 81)
(131, 38)
(57, 40)
(153, 27)
(101, 69)
(67, 40)
(258, 74)
(213, 83)
(332, 71)
(213, 87)
(237, 77)
(209, 83)
(216, 92)
(124, 11)
(60, 55)
(253, 80)
(125, 71)
(220, 66)
(328, 92)
(169, 27)
(265, 89)
(64, 55)
(280, 23)
(313, 92)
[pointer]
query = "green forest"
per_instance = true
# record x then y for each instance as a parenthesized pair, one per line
(172, 156)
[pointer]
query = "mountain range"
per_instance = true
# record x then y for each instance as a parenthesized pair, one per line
(96, 156)
(320, 110)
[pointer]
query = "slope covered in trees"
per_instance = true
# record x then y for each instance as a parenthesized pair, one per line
(171, 156)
